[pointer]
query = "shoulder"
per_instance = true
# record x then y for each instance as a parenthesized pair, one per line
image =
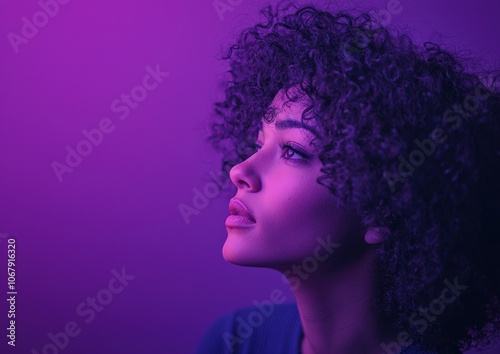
(257, 328)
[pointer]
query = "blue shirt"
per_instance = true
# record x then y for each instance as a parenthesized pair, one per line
(249, 330)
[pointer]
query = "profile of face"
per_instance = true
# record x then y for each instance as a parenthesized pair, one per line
(294, 215)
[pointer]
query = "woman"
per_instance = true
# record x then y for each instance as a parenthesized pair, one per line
(366, 171)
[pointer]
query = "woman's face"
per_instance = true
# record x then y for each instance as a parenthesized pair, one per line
(295, 217)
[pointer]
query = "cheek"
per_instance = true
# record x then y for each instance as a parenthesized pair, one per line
(297, 216)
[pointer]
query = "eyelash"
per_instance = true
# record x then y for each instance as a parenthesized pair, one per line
(285, 145)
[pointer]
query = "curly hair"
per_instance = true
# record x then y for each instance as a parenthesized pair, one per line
(410, 141)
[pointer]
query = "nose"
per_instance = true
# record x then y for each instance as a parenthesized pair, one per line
(245, 176)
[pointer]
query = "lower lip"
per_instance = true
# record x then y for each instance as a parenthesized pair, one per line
(234, 221)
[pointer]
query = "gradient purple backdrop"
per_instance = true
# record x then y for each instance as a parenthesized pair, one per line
(120, 206)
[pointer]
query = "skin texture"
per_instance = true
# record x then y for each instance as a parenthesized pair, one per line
(293, 213)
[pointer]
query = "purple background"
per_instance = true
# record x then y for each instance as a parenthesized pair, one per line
(120, 206)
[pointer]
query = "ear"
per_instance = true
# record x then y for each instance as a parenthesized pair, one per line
(375, 235)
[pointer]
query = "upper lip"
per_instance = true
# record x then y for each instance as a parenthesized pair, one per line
(236, 207)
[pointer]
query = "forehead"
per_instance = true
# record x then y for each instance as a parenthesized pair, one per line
(288, 114)
(292, 105)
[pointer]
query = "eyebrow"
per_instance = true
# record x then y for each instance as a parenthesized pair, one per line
(291, 123)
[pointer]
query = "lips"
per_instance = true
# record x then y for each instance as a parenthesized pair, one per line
(236, 207)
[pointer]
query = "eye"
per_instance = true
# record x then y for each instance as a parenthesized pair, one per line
(288, 152)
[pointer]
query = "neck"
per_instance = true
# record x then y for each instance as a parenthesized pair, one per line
(335, 309)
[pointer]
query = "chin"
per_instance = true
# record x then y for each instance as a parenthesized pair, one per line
(236, 255)
(239, 255)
